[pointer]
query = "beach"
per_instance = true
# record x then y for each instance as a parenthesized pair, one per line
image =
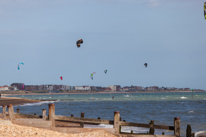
(15, 101)
(133, 107)
(7, 129)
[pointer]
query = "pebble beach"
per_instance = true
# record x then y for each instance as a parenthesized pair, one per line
(7, 129)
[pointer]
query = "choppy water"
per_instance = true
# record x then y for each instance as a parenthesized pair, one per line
(133, 107)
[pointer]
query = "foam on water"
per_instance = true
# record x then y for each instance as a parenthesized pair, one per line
(191, 111)
(200, 132)
(36, 104)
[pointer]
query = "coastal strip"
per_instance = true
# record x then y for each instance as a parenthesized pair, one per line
(15, 101)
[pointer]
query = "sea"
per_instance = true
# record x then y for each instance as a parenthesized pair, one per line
(162, 107)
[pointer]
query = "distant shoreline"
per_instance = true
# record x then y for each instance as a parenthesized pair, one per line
(16, 101)
(90, 92)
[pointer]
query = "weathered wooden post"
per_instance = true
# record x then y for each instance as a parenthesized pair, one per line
(82, 115)
(17, 111)
(188, 131)
(151, 130)
(177, 126)
(4, 111)
(44, 114)
(163, 133)
(82, 124)
(116, 122)
(71, 115)
(52, 114)
(193, 134)
(131, 131)
(11, 112)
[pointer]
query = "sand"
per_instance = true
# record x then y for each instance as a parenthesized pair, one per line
(15, 101)
(7, 129)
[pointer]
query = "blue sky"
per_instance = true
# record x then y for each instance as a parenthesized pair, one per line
(119, 35)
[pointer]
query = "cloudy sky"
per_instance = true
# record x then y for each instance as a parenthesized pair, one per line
(119, 35)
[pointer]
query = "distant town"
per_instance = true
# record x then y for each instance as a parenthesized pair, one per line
(111, 88)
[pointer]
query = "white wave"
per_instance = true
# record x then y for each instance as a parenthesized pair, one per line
(36, 104)
(191, 111)
(183, 97)
(199, 132)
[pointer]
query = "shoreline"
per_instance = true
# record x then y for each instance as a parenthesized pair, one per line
(89, 92)
(16, 101)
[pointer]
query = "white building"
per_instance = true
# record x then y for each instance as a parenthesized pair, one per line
(115, 87)
(82, 88)
(4, 88)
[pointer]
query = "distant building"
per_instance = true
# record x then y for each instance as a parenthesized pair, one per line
(82, 88)
(93, 88)
(72, 88)
(115, 87)
(153, 88)
(18, 85)
(106, 89)
(13, 88)
(4, 88)
(138, 88)
(98, 88)
(186, 89)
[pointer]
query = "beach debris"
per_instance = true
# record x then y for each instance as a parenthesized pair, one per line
(92, 75)
(21, 63)
(205, 10)
(145, 64)
(79, 42)
(105, 71)
(61, 78)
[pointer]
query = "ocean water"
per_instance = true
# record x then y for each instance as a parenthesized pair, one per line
(133, 107)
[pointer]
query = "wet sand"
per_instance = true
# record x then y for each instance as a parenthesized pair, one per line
(15, 101)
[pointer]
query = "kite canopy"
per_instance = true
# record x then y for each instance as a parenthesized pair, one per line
(145, 64)
(205, 10)
(105, 71)
(92, 75)
(20, 64)
(79, 42)
(61, 77)
(22, 87)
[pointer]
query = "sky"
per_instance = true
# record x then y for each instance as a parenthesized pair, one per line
(118, 35)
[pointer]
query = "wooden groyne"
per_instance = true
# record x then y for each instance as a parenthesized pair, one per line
(50, 122)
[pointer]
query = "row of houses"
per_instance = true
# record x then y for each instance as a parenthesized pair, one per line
(8, 88)
(50, 87)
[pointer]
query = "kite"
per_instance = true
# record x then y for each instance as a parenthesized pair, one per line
(22, 87)
(92, 75)
(145, 64)
(61, 77)
(19, 64)
(79, 42)
(105, 71)
(205, 10)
